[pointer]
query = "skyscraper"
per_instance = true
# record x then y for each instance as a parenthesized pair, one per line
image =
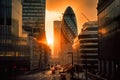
(68, 33)
(89, 46)
(14, 50)
(34, 17)
(109, 39)
(57, 35)
(34, 23)
(10, 17)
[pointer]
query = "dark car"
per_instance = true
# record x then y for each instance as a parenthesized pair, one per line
(63, 76)
(53, 71)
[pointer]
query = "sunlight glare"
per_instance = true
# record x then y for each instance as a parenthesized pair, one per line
(50, 17)
(50, 41)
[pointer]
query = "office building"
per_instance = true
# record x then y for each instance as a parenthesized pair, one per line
(34, 23)
(14, 50)
(57, 38)
(88, 39)
(40, 54)
(34, 17)
(68, 33)
(109, 39)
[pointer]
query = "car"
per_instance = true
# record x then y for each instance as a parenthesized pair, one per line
(53, 71)
(63, 76)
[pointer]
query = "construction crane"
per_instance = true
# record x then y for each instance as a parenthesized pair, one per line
(85, 17)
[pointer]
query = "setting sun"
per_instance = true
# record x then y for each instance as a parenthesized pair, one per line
(50, 41)
(50, 17)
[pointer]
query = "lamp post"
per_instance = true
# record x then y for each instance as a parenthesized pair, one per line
(72, 64)
(86, 67)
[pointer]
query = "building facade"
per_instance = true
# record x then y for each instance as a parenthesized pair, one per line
(34, 17)
(40, 54)
(14, 51)
(68, 33)
(88, 39)
(34, 23)
(57, 38)
(109, 37)
(76, 51)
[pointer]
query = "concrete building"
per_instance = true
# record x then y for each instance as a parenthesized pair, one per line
(34, 17)
(68, 33)
(57, 38)
(34, 23)
(109, 37)
(88, 39)
(14, 51)
(40, 54)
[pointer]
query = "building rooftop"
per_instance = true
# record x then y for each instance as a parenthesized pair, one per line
(69, 11)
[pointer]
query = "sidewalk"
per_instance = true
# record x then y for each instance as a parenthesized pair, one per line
(67, 76)
(76, 76)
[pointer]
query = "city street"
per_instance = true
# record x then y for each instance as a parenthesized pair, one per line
(39, 76)
(59, 39)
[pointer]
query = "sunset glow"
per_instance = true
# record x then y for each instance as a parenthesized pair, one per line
(50, 41)
(55, 9)
(50, 17)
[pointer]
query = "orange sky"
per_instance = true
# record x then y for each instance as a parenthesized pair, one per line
(55, 8)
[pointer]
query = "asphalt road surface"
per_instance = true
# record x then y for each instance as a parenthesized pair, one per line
(39, 76)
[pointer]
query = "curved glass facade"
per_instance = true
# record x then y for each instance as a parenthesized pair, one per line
(68, 34)
(69, 25)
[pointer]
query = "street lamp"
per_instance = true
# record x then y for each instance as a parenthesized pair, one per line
(72, 63)
(86, 67)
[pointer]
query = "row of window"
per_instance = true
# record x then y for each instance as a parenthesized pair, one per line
(109, 13)
(33, 11)
(32, 1)
(12, 53)
(37, 20)
(91, 29)
(33, 15)
(5, 30)
(88, 36)
(5, 2)
(33, 23)
(71, 24)
(33, 7)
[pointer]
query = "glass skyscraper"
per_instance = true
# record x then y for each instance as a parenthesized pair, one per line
(34, 16)
(69, 25)
(68, 33)
(33, 19)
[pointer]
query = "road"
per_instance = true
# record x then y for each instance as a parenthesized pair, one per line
(46, 75)
(39, 76)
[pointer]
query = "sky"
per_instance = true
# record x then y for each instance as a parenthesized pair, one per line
(56, 8)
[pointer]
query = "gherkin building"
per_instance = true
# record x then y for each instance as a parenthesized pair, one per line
(68, 34)
(69, 25)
